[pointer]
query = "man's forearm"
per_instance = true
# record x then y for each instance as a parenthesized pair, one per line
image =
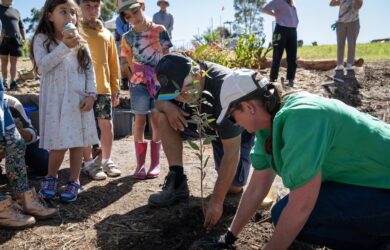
(255, 192)
(226, 174)
(290, 223)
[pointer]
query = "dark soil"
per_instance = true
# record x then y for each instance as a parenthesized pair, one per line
(113, 214)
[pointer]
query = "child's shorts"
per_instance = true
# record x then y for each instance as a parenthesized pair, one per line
(141, 101)
(103, 107)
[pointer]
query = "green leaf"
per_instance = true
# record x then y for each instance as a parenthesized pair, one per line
(208, 140)
(206, 161)
(201, 49)
(193, 145)
(210, 120)
(192, 122)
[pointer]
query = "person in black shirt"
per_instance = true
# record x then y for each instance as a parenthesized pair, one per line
(13, 35)
(231, 148)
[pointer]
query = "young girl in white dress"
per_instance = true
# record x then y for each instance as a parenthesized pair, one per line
(66, 96)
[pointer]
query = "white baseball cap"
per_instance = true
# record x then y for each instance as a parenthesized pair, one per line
(237, 85)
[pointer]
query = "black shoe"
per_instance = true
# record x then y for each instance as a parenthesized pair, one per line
(125, 84)
(13, 85)
(169, 194)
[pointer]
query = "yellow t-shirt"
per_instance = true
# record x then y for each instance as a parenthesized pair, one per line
(105, 60)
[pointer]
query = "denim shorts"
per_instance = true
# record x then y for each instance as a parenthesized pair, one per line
(141, 101)
(244, 164)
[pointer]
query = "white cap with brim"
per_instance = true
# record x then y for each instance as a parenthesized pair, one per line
(237, 85)
(127, 4)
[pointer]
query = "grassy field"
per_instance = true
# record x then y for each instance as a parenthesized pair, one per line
(368, 51)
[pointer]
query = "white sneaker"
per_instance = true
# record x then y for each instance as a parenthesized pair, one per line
(339, 67)
(95, 171)
(111, 169)
(349, 66)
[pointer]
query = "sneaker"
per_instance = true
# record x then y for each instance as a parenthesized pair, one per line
(13, 85)
(169, 194)
(5, 84)
(349, 67)
(48, 187)
(70, 193)
(95, 171)
(111, 169)
(339, 67)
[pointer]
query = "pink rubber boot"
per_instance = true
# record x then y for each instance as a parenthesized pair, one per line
(154, 169)
(140, 152)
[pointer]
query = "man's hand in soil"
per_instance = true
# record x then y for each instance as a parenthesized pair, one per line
(213, 214)
(224, 241)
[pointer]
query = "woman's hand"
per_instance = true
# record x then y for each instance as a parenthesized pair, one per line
(87, 103)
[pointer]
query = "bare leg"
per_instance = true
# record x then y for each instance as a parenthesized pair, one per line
(4, 66)
(76, 155)
(171, 141)
(87, 153)
(139, 127)
(106, 137)
(12, 70)
(56, 158)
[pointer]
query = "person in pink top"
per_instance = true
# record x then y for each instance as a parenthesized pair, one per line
(143, 47)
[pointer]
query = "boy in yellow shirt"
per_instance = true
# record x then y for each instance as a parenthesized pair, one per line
(106, 66)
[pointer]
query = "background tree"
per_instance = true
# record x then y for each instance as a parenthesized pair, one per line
(108, 10)
(248, 17)
(33, 20)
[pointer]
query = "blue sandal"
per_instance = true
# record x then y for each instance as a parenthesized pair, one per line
(70, 193)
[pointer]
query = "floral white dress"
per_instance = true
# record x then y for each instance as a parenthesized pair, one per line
(61, 122)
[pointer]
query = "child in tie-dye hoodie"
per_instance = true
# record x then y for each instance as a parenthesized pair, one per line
(143, 46)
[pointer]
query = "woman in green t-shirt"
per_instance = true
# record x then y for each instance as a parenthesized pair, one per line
(334, 159)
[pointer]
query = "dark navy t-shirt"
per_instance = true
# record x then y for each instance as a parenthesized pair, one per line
(216, 74)
(12, 21)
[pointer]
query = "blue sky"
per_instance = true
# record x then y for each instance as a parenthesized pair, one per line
(316, 17)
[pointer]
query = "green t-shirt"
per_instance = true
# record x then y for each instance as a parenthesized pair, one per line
(312, 134)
